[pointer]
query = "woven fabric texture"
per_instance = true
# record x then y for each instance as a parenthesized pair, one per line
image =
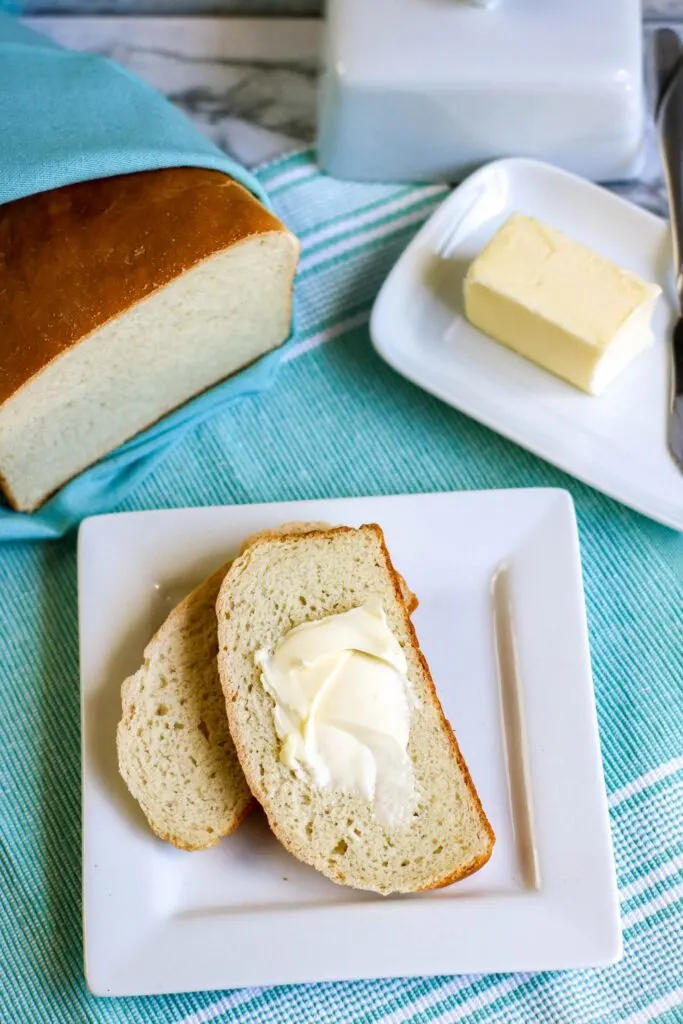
(339, 422)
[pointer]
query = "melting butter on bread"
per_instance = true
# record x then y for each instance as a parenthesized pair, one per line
(277, 584)
(176, 754)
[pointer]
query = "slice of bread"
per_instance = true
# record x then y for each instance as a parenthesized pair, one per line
(175, 751)
(278, 583)
(410, 599)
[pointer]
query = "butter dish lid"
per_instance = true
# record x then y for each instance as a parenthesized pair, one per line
(519, 42)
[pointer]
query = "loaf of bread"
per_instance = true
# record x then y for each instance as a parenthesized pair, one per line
(120, 299)
(276, 585)
(175, 751)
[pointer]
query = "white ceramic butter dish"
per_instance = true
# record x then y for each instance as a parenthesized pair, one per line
(423, 90)
(615, 442)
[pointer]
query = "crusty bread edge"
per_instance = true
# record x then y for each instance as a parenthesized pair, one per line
(194, 848)
(479, 861)
(276, 228)
(10, 497)
(168, 625)
(282, 229)
(254, 784)
(413, 603)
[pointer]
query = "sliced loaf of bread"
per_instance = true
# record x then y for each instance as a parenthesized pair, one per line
(175, 751)
(277, 584)
(122, 298)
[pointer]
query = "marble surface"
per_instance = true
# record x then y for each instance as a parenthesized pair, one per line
(251, 83)
(663, 8)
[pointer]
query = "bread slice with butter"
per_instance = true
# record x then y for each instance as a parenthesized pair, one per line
(440, 833)
(175, 751)
(121, 299)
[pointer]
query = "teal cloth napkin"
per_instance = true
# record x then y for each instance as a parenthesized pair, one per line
(339, 422)
(68, 117)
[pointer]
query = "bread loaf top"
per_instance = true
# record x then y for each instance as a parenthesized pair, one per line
(73, 258)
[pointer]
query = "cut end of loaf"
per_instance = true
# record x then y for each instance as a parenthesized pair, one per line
(275, 585)
(172, 281)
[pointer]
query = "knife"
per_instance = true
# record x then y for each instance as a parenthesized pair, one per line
(669, 117)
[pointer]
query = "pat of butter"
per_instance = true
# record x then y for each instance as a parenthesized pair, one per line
(559, 304)
(342, 707)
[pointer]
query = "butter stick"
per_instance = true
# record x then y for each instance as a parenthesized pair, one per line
(559, 304)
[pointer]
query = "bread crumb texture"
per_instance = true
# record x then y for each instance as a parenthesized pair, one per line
(274, 586)
(175, 751)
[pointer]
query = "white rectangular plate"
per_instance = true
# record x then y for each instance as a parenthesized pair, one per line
(502, 623)
(615, 442)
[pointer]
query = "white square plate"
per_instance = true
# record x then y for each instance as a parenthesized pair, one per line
(502, 623)
(616, 442)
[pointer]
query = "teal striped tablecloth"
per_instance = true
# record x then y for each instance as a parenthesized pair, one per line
(339, 422)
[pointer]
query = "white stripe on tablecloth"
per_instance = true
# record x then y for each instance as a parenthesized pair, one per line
(391, 988)
(476, 1002)
(627, 892)
(290, 177)
(266, 166)
(329, 334)
(229, 1002)
(361, 238)
(645, 910)
(662, 771)
(646, 1014)
(363, 217)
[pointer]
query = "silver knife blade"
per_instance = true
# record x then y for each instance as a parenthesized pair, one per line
(669, 74)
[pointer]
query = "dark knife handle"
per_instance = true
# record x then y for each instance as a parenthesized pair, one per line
(669, 71)
(668, 51)
(669, 114)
